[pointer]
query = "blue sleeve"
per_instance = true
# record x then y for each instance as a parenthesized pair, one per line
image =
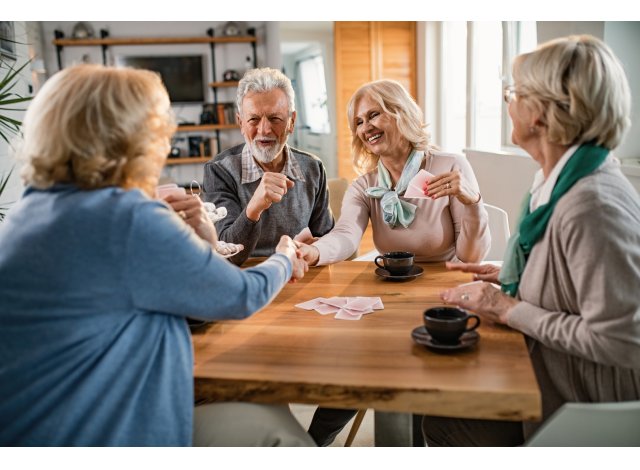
(169, 269)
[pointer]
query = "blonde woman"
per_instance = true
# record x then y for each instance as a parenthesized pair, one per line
(572, 270)
(390, 146)
(97, 278)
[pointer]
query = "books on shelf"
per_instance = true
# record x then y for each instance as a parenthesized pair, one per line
(225, 113)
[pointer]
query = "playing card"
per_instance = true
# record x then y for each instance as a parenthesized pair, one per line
(416, 185)
(311, 304)
(324, 309)
(344, 314)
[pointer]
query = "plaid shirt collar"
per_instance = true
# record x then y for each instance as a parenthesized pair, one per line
(251, 171)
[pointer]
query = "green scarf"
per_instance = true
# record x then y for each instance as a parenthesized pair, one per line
(532, 225)
(394, 210)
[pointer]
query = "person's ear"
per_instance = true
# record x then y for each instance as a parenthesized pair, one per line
(238, 119)
(292, 123)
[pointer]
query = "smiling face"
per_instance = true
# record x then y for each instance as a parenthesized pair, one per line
(265, 123)
(378, 130)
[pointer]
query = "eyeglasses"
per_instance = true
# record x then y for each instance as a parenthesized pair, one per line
(509, 94)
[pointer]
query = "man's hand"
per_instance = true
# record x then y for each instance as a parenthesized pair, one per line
(272, 188)
(289, 248)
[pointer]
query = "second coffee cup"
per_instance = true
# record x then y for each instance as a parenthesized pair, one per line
(447, 324)
(397, 263)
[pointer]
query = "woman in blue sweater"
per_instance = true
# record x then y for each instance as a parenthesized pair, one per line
(97, 278)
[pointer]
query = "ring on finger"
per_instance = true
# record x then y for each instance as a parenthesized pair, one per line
(182, 214)
(464, 296)
(448, 185)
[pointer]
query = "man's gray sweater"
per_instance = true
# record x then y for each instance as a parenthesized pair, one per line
(304, 205)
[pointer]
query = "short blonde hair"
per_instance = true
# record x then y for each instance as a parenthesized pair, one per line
(580, 87)
(95, 126)
(398, 103)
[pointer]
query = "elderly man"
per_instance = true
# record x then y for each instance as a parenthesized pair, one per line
(268, 188)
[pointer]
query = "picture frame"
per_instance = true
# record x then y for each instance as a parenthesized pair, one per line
(7, 40)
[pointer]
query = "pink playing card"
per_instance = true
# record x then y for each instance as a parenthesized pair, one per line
(336, 301)
(311, 304)
(361, 303)
(416, 185)
(378, 305)
(344, 314)
(324, 309)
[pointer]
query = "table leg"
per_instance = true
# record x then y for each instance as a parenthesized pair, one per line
(397, 429)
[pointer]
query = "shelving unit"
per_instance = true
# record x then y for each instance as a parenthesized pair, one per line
(104, 41)
(187, 160)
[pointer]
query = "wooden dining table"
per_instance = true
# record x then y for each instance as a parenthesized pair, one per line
(284, 354)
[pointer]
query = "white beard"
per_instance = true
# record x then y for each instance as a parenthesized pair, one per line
(266, 155)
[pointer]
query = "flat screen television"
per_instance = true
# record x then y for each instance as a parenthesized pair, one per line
(182, 75)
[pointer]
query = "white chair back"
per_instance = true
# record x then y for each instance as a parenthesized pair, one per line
(591, 425)
(499, 228)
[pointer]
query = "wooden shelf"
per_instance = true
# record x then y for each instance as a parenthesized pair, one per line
(70, 42)
(230, 83)
(207, 127)
(187, 160)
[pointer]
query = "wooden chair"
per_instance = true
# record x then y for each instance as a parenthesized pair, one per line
(337, 187)
(357, 421)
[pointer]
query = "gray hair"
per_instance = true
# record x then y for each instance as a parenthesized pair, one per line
(263, 80)
(580, 87)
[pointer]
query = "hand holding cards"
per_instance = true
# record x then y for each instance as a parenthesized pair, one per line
(417, 185)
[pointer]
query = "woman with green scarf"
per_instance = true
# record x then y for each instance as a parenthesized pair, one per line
(571, 274)
(446, 222)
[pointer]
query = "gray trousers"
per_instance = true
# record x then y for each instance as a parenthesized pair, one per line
(247, 425)
(458, 432)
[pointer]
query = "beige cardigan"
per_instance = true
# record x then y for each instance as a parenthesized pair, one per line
(580, 295)
(443, 229)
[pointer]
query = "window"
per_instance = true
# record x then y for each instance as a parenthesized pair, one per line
(475, 65)
(315, 114)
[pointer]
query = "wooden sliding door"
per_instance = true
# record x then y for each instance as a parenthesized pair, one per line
(366, 51)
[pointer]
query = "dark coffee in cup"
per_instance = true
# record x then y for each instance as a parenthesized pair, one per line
(447, 324)
(398, 263)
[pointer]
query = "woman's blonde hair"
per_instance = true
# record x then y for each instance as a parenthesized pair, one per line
(95, 126)
(580, 87)
(398, 103)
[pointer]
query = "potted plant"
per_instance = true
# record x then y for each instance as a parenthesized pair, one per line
(9, 99)
(9, 126)
(4, 207)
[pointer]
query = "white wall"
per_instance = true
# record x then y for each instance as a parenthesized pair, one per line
(624, 38)
(14, 188)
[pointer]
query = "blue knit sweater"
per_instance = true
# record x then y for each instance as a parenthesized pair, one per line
(94, 290)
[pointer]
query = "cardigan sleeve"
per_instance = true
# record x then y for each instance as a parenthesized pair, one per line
(600, 249)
